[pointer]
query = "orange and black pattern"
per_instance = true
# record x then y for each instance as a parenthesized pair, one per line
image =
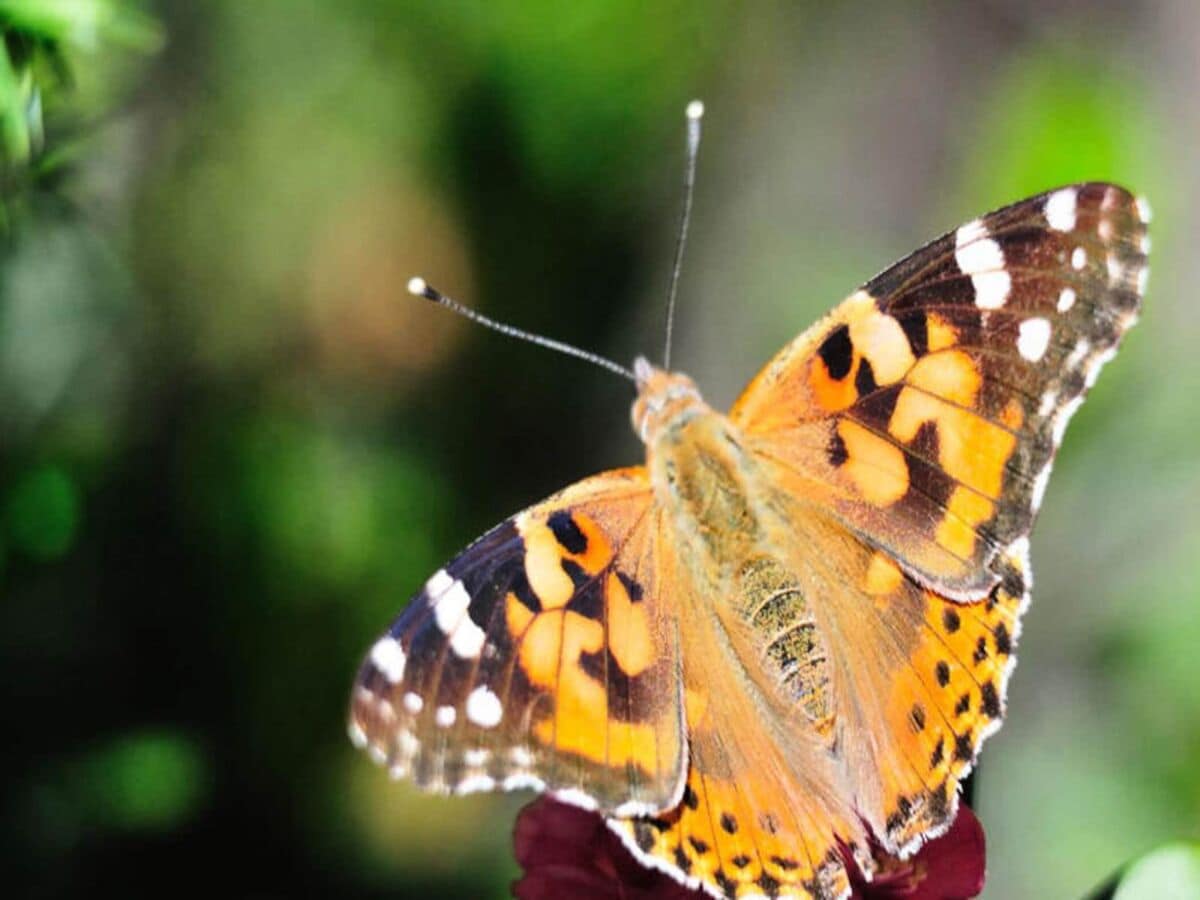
(791, 631)
(537, 659)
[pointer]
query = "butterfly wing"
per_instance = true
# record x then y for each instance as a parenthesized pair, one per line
(544, 656)
(925, 411)
(919, 681)
(764, 810)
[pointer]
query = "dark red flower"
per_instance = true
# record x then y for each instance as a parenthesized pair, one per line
(568, 852)
(950, 867)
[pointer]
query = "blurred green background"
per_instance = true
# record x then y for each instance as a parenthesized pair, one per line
(231, 446)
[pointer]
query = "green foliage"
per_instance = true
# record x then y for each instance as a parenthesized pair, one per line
(42, 41)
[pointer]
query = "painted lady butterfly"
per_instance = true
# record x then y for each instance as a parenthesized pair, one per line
(795, 621)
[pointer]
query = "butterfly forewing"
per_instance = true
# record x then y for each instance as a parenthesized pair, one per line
(927, 408)
(543, 656)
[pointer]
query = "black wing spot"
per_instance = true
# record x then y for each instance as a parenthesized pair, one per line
(836, 451)
(768, 884)
(588, 599)
(901, 815)
(864, 381)
(644, 835)
(962, 747)
(925, 441)
(938, 754)
(729, 823)
(990, 703)
(942, 672)
(524, 593)
(578, 575)
(917, 717)
(690, 800)
(567, 532)
(951, 620)
(1003, 641)
(698, 845)
(837, 353)
(916, 329)
(785, 863)
(981, 651)
(893, 823)
(741, 860)
(632, 588)
(682, 860)
(939, 803)
(963, 704)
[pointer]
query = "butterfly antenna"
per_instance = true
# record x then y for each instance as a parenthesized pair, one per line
(420, 288)
(695, 112)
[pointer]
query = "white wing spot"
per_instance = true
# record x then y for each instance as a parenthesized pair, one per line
(476, 758)
(467, 639)
(1060, 209)
(972, 231)
(1034, 338)
(1049, 399)
(1079, 258)
(409, 745)
(450, 601)
(980, 257)
(1081, 350)
(1066, 299)
(1143, 278)
(1115, 267)
(388, 657)
(445, 716)
(483, 708)
(473, 784)
(413, 702)
(358, 737)
(1143, 209)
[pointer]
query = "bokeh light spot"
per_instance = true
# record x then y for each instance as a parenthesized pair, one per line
(148, 780)
(42, 512)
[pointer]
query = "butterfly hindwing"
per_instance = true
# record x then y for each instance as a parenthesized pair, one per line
(543, 656)
(919, 680)
(927, 408)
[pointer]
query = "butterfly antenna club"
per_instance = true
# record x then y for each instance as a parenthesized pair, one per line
(419, 287)
(695, 112)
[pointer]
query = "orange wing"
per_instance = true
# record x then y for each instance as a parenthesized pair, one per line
(925, 411)
(765, 809)
(545, 656)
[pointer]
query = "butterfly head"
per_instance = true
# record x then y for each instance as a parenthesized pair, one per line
(663, 397)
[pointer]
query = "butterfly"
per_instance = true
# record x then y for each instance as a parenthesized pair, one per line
(790, 630)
